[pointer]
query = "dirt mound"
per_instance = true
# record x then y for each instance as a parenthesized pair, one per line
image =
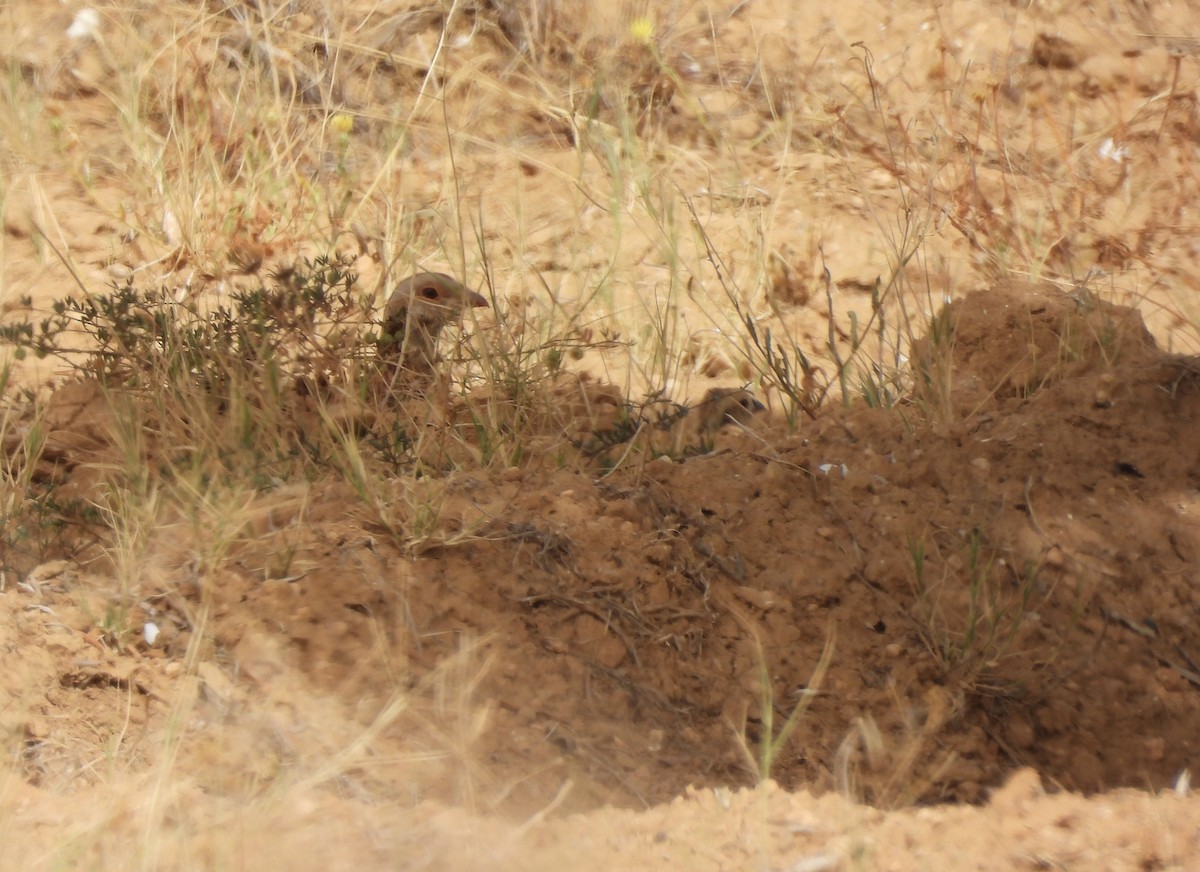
(1005, 573)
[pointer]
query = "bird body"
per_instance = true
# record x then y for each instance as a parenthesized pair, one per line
(718, 408)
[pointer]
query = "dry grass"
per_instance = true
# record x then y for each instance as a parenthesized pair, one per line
(623, 190)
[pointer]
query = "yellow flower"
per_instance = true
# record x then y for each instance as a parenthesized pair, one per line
(642, 30)
(342, 123)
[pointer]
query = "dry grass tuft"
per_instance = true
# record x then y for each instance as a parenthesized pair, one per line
(675, 240)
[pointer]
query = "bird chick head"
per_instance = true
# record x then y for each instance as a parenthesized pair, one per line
(721, 406)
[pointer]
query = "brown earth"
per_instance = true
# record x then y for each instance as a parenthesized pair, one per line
(981, 602)
(606, 640)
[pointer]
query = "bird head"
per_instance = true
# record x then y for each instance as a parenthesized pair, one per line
(721, 406)
(416, 312)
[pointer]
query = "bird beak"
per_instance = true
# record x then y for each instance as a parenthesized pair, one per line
(477, 300)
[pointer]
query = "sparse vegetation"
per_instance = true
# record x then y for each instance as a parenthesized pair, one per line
(719, 401)
(972, 616)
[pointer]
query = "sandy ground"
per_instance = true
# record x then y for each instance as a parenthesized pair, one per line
(986, 615)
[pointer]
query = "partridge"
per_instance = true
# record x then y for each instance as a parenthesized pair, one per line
(415, 314)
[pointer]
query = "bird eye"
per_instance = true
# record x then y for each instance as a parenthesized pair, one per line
(429, 292)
